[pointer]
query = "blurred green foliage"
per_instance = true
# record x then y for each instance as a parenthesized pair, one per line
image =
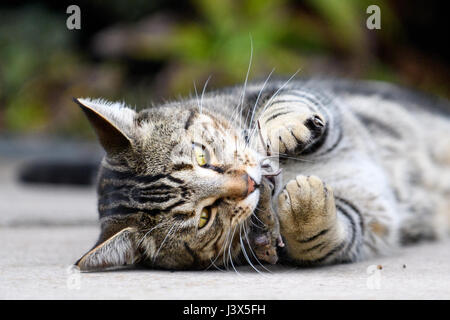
(159, 49)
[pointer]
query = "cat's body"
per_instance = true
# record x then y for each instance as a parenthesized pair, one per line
(366, 168)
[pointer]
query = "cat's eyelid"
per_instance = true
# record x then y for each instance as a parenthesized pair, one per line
(208, 202)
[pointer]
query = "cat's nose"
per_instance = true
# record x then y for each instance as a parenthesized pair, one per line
(239, 186)
(251, 185)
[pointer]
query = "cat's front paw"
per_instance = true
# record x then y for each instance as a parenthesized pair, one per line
(306, 211)
(293, 132)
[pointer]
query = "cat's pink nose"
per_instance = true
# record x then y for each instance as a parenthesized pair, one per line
(239, 185)
(250, 185)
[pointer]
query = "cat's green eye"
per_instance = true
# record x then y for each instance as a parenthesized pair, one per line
(204, 217)
(200, 155)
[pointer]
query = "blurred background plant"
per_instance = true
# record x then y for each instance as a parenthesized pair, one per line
(147, 51)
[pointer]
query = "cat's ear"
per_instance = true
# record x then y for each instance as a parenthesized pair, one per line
(113, 123)
(117, 251)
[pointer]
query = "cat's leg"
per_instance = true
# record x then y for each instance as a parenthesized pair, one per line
(291, 125)
(319, 228)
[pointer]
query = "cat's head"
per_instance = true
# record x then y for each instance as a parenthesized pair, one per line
(175, 188)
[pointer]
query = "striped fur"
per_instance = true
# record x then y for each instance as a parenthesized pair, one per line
(362, 174)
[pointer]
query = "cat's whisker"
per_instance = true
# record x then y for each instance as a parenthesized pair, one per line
(285, 156)
(237, 112)
(230, 256)
(203, 93)
(233, 119)
(218, 253)
(196, 96)
(162, 243)
(215, 266)
(245, 252)
(276, 94)
(235, 149)
(251, 139)
(245, 83)
(149, 231)
(224, 258)
(253, 253)
(227, 258)
(256, 217)
(256, 226)
(257, 100)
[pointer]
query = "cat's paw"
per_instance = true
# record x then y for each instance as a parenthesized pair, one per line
(293, 132)
(305, 208)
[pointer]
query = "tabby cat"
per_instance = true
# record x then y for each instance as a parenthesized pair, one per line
(365, 169)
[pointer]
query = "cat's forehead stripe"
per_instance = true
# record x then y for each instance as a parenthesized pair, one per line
(190, 119)
(124, 192)
(216, 123)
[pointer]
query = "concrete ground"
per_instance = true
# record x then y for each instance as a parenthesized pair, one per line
(44, 229)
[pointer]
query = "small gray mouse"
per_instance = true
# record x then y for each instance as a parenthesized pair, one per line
(265, 233)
